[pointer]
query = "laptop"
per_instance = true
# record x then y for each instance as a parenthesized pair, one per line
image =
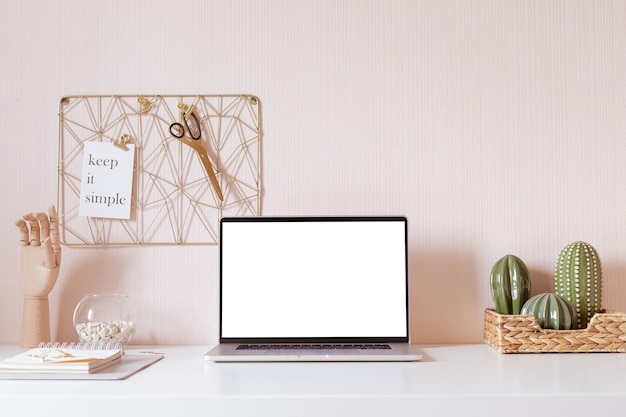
(313, 289)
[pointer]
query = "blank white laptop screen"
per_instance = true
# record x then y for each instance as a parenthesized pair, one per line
(314, 278)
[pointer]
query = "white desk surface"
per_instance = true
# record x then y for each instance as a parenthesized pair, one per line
(467, 380)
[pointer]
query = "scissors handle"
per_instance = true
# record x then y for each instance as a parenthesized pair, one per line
(193, 127)
(176, 129)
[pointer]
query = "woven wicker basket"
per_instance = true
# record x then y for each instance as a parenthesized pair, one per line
(606, 332)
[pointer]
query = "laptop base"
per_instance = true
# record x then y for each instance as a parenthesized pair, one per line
(226, 352)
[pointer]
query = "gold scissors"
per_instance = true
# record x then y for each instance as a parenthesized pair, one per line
(193, 140)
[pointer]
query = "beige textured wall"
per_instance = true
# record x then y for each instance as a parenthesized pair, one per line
(495, 126)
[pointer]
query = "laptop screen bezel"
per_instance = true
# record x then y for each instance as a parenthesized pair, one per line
(398, 339)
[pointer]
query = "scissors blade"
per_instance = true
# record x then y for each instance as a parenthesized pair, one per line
(208, 167)
(204, 158)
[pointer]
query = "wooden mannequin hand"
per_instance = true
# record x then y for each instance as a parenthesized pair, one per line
(40, 252)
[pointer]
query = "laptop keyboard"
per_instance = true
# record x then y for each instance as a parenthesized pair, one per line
(357, 346)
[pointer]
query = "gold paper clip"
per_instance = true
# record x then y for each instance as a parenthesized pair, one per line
(185, 109)
(121, 143)
(145, 105)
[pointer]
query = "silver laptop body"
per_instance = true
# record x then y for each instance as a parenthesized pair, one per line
(313, 289)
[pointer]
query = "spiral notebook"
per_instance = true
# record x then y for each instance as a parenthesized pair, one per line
(75, 361)
(65, 357)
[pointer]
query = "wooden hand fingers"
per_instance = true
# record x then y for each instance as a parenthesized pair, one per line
(35, 230)
(43, 227)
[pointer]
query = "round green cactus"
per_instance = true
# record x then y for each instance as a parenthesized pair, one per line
(578, 278)
(510, 284)
(552, 311)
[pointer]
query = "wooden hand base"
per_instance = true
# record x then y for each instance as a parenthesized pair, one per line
(35, 321)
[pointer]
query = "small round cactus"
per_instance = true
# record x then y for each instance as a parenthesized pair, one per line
(510, 284)
(551, 311)
(578, 278)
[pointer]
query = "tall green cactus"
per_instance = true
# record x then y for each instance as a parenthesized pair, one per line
(578, 278)
(510, 284)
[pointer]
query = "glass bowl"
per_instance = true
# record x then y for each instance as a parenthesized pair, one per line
(102, 318)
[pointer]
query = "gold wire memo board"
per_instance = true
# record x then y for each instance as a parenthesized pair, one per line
(173, 198)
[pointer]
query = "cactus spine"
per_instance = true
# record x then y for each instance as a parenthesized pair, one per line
(552, 311)
(578, 278)
(510, 284)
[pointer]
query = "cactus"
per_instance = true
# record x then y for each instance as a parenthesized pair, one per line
(510, 284)
(552, 311)
(578, 278)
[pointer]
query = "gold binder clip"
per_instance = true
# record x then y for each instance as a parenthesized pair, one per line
(185, 109)
(145, 105)
(121, 143)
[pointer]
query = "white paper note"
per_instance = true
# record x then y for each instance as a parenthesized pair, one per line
(107, 180)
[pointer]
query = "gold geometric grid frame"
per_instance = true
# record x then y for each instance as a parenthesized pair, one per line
(173, 199)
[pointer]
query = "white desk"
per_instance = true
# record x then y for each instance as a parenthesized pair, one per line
(464, 380)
